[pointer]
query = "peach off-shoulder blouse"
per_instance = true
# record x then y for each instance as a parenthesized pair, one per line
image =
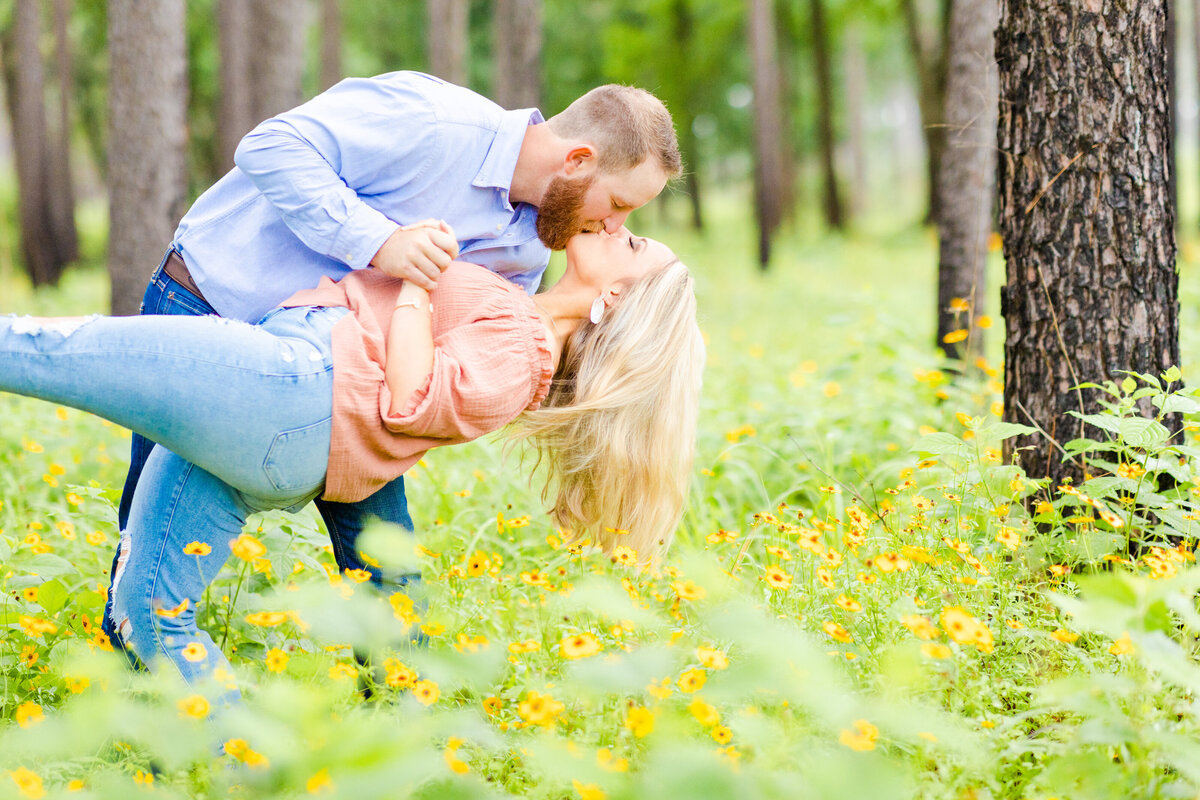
(491, 361)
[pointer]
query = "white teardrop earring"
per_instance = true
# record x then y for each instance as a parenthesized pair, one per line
(597, 312)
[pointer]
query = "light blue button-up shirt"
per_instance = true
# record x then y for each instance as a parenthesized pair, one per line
(317, 190)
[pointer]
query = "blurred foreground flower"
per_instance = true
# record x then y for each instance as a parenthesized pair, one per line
(862, 737)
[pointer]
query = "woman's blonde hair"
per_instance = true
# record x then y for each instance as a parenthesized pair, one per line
(618, 429)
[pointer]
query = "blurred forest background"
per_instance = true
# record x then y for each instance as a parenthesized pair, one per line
(1055, 129)
(822, 114)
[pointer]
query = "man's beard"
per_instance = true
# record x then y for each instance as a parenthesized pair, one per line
(558, 215)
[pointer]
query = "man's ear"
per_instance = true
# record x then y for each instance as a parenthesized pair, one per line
(580, 160)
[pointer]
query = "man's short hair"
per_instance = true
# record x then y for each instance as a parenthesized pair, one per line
(626, 124)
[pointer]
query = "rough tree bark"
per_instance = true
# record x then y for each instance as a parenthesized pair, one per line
(929, 55)
(62, 183)
(517, 53)
(831, 201)
(331, 43)
(28, 107)
(1196, 37)
(447, 39)
(235, 108)
(967, 176)
(276, 55)
(147, 140)
(1086, 211)
(768, 125)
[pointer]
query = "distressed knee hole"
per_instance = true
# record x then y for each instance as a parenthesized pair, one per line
(121, 623)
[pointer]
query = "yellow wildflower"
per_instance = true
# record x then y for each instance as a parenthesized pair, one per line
(862, 737)
(640, 721)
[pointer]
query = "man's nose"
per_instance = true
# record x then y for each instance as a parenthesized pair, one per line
(615, 222)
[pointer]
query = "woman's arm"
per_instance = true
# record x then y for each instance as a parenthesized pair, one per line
(409, 345)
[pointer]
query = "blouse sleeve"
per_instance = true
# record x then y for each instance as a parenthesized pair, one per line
(484, 375)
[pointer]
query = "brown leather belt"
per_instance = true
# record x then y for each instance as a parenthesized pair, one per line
(177, 269)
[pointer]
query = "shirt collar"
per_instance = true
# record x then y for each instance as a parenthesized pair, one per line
(501, 159)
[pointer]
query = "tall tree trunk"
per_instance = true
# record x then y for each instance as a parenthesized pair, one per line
(856, 104)
(235, 109)
(831, 200)
(787, 42)
(683, 27)
(517, 53)
(768, 127)
(1196, 42)
(276, 58)
(28, 101)
(1172, 99)
(147, 140)
(929, 56)
(1086, 211)
(331, 43)
(446, 39)
(967, 178)
(62, 184)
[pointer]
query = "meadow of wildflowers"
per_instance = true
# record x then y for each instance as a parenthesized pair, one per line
(864, 600)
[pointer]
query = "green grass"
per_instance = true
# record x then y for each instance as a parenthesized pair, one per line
(847, 502)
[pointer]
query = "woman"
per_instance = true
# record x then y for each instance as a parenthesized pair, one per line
(347, 385)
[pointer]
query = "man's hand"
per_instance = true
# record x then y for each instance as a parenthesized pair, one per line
(418, 252)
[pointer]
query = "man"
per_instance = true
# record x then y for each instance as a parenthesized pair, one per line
(344, 181)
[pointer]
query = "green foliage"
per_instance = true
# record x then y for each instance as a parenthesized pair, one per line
(858, 604)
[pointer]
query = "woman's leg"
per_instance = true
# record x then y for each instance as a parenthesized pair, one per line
(177, 507)
(165, 296)
(250, 405)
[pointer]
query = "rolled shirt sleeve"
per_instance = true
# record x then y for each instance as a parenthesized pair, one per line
(314, 163)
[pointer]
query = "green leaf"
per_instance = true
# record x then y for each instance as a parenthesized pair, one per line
(47, 565)
(52, 596)
(1177, 403)
(1172, 374)
(1142, 432)
(940, 444)
(1101, 421)
(1128, 385)
(1006, 430)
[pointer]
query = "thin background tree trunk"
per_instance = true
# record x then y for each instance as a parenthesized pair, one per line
(517, 53)
(446, 38)
(32, 156)
(62, 184)
(683, 30)
(1086, 211)
(276, 59)
(929, 55)
(856, 101)
(967, 177)
(831, 201)
(1196, 45)
(331, 43)
(768, 127)
(147, 140)
(235, 109)
(1171, 37)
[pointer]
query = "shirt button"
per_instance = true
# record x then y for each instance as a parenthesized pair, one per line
(499, 227)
